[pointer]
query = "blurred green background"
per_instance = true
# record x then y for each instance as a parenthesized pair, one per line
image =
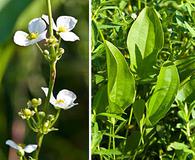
(23, 72)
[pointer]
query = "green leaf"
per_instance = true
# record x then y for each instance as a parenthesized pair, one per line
(133, 141)
(121, 83)
(180, 146)
(145, 40)
(9, 15)
(96, 137)
(192, 123)
(6, 54)
(108, 152)
(94, 34)
(100, 100)
(111, 116)
(115, 136)
(185, 66)
(190, 29)
(138, 109)
(186, 90)
(177, 146)
(164, 94)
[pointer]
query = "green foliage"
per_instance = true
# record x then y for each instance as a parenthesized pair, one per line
(144, 41)
(155, 52)
(121, 83)
(164, 94)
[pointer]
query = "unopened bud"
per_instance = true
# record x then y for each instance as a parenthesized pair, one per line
(46, 127)
(51, 117)
(36, 102)
(42, 114)
(61, 51)
(46, 52)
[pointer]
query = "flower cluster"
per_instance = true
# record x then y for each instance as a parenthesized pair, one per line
(40, 121)
(38, 29)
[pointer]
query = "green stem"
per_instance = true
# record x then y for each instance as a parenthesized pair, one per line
(52, 49)
(51, 83)
(21, 158)
(129, 122)
(39, 143)
(50, 18)
(113, 138)
(40, 49)
(109, 143)
(56, 117)
(30, 126)
(139, 4)
(145, 3)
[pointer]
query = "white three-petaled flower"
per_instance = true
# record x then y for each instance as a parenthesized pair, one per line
(65, 99)
(28, 149)
(64, 25)
(37, 32)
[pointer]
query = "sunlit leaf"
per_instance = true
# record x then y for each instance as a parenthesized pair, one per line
(164, 94)
(121, 83)
(145, 40)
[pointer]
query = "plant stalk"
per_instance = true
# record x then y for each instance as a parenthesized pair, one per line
(113, 138)
(51, 83)
(50, 18)
(39, 139)
(52, 65)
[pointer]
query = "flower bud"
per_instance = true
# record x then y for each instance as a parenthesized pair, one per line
(42, 114)
(46, 52)
(51, 117)
(46, 127)
(52, 40)
(36, 102)
(61, 51)
(26, 113)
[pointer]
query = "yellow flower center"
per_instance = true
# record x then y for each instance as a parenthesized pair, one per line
(32, 36)
(62, 29)
(60, 101)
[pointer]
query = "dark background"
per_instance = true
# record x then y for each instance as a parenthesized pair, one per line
(23, 71)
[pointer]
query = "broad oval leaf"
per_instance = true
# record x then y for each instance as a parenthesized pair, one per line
(145, 40)
(121, 83)
(164, 93)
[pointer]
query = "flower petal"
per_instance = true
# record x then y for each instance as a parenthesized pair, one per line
(52, 99)
(67, 22)
(12, 144)
(69, 36)
(68, 98)
(36, 25)
(46, 18)
(20, 38)
(30, 148)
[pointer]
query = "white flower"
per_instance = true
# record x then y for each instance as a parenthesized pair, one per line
(37, 32)
(65, 99)
(28, 149)
(64, 25)
(133, 16)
